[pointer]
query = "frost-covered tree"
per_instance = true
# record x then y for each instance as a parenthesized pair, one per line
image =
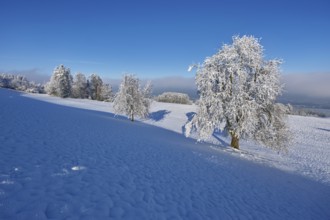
(131, 99)
(20, 83)
(238, 89)
(60, 83)
(95, 87)
(147, 96)
(79, 86)
(106, 93)
(4, 82)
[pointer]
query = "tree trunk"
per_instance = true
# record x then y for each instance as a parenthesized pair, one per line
(132, 113)
(234, 141)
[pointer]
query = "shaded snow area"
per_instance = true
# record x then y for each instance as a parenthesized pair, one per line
(59, 162)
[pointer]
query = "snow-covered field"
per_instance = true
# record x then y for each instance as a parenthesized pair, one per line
(59, 162)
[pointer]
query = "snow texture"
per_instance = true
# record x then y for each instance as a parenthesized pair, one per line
(59, 162)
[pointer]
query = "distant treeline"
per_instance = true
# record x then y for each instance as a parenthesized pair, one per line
(20, 83)
(309, 112)
(64, 85)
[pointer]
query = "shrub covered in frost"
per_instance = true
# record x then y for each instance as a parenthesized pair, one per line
(174, 97)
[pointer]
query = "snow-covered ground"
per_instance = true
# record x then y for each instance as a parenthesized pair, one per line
(309, 155)
(59, 162)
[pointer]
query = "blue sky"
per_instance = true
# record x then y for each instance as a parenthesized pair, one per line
(157, 38)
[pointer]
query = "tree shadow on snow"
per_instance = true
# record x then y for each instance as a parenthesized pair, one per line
(190, 116)
(323, 129)
(218, 135)
(158, 115)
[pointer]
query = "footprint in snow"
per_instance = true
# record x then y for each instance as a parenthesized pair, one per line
(78, 168)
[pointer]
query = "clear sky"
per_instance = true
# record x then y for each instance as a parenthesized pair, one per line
(157, 38)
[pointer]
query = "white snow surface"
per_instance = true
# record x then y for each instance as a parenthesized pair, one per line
(80, 161)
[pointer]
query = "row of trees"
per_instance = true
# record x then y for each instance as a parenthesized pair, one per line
(19, 82)
(131, 99)
(62, 84)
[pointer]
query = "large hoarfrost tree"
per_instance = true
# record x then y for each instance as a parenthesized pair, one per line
(131, 99)
(238, 89)
(60, 83)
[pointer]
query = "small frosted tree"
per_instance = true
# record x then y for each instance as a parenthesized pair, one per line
(60, 83)
(106, 93)
(95, 87)
(238, 89)
(147, 97)
(79, 86)
(131, 99)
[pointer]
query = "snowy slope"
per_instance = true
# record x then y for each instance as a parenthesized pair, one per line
(309, 155)
(58, 162)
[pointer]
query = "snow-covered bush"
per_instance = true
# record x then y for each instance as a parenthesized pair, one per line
(238, 89)
(131, 99)
(60, 83)
(36, 88)
(174, 97)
